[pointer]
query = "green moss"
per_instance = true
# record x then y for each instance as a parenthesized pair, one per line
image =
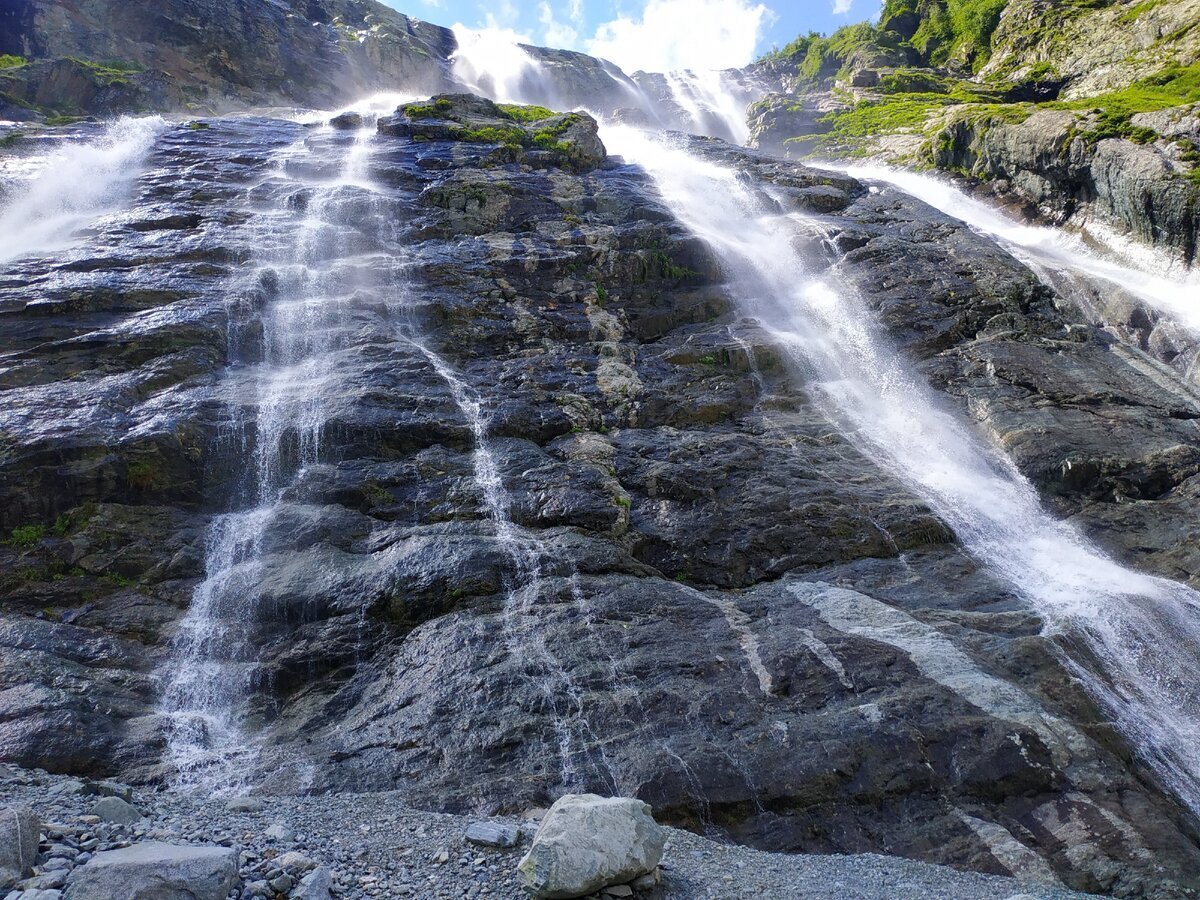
(525, 114)
(142, 476)
(491, 134)
(26, 536)
(9, 139)
(8, 61)
(113, 71)
(428, 110)
(55, 121)
(198, 126)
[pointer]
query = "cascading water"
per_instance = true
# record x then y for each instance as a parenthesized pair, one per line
(491, 63)
(312, 267)
(525, 638)
(713, 106)
(54, 195)
(1051, 252)
(1137, 629)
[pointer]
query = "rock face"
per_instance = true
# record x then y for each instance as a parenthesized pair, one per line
(155, 871)
(691, 587)
(588, 842)
(120, 56)
(1054, 161)
(19, 830)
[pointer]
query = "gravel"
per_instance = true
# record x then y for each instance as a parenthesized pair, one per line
(375, 846)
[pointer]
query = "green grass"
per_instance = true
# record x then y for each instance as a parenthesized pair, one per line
(1135, 12)
(1176, 86)
(8, 61)
(26, 536)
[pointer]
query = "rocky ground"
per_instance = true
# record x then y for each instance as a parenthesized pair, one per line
(374, 846)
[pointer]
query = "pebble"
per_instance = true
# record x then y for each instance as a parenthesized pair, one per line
(412, 854)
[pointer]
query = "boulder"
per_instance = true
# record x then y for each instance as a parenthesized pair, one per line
(19, 830)
(493, 834)
(347, 121)
(316, 885)
(588, 842)
(244, 805)
(116, 810)
(156, 871)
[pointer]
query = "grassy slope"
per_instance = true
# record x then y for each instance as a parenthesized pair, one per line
(930, 53)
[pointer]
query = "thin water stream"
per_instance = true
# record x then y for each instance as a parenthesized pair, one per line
(1140, 630)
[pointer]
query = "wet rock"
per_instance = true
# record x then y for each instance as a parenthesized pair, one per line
(587, 842)
(167, 871)
(347, 120)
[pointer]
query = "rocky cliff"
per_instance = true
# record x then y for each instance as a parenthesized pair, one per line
(1080, 111)
(560, 517)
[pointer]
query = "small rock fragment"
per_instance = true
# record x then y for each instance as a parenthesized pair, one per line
(493, 834)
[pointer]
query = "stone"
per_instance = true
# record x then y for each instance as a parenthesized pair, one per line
(618, 890)
(316, 885)
(156, 871)
(347, 120)
(19, 836)
(295, 861)
(281, 833)
(244, 805)
(648, 881)
(493, 834)
(106, 789)
(116, 810)
(587, 842)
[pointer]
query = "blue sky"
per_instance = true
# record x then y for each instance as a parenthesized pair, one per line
(650, 34)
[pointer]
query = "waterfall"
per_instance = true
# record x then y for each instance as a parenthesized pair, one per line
(1136, 630)
(490, 62)
(1050, 252)
(321, 241)
(49, 197)
(714, 106)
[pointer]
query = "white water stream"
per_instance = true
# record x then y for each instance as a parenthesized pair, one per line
(316, 263)
(1141, 630)
(1140, 271)
(49, 197)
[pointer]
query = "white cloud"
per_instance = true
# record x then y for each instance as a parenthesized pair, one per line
(841, 7)
(556, 33)
(683, 34)
(500, 15)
